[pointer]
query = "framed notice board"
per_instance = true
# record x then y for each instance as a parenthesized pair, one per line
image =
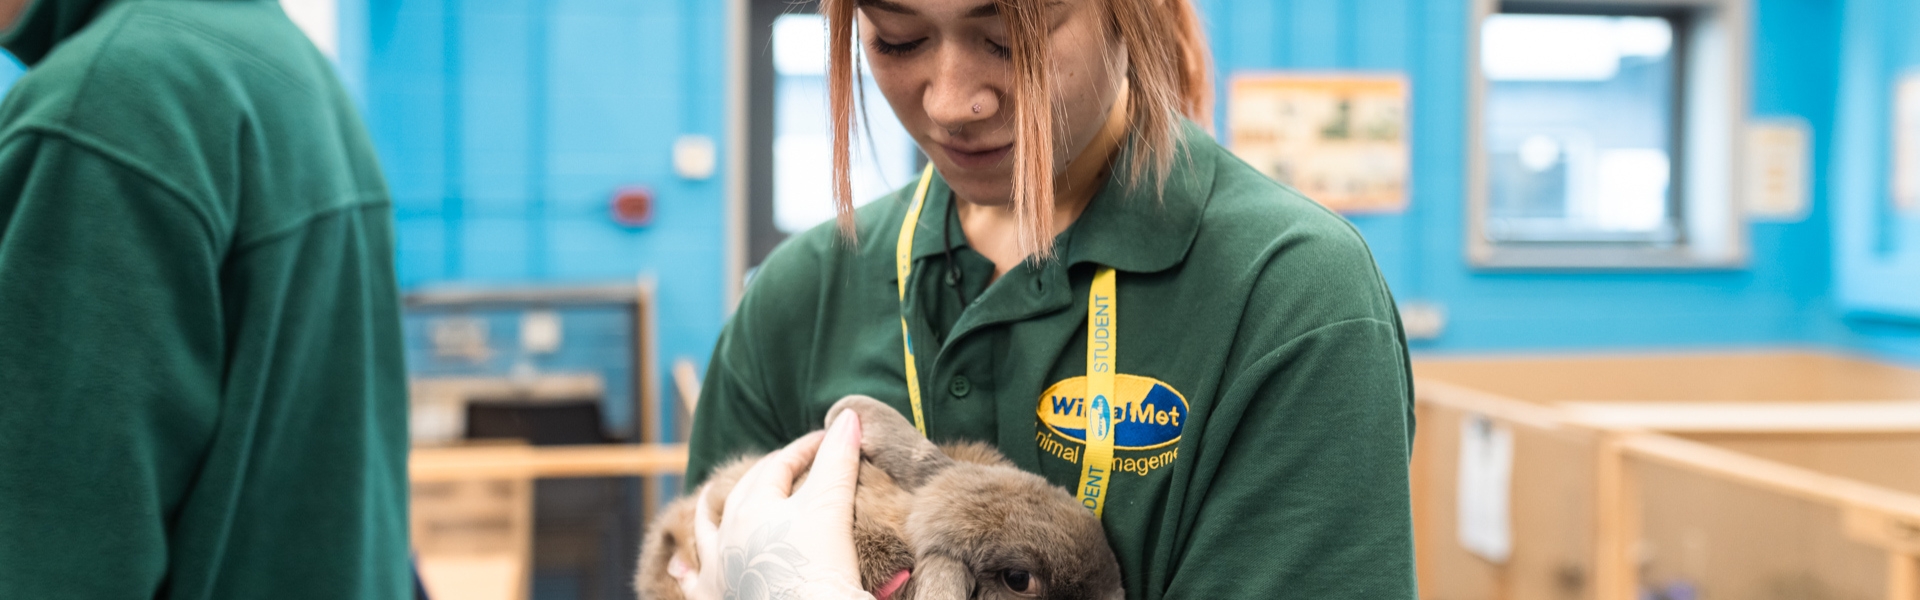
(1340, 138)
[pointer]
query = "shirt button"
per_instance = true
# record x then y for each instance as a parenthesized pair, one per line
(960, 386)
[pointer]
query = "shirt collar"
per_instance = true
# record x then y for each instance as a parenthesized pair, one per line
(45, 24)
(1138, 229)
(1127, 227)
(933, 219)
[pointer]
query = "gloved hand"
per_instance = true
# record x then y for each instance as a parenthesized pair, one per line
(780, 542)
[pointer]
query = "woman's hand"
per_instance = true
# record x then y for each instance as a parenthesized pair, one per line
(777, 541)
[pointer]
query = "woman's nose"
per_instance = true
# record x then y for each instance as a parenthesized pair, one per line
(959, 94)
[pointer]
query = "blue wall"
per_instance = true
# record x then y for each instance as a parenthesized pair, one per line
(1780, 299)
(505, 126)
(10, 70)
(1877, 259)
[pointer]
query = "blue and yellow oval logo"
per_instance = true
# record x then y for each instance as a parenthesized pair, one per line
(1147, 414)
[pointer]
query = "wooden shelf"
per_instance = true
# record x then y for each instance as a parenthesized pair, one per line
(1885, 416)
(507, 462)
(1747, 376)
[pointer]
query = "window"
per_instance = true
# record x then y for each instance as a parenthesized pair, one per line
(789, 150)
(882, 153)
(1580, 123)
(1604, 134)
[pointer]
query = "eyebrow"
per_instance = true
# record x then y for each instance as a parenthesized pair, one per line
(985, 10)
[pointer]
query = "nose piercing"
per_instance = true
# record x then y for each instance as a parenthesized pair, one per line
(976, 108)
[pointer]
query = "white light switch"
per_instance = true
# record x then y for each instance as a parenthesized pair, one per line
(693, 157)
(540, 331)
(1778, 157)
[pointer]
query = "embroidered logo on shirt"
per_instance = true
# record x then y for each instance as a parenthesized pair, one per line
(1146, 415)
(1102, 417)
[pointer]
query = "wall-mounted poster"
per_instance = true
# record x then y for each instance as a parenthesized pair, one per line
(1340, 138)
(1906, 142)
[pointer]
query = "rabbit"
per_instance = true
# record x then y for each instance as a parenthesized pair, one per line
(960, 518)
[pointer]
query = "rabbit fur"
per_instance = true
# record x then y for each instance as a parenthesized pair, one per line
(961, 517)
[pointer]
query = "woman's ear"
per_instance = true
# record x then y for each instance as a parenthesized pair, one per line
(940, 577)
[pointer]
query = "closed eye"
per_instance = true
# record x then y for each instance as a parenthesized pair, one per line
(889, 49)
(999, 51)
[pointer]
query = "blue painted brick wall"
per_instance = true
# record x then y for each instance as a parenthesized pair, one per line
(505, 123)
(1780, 299)
(1877, 257)
(505, 126)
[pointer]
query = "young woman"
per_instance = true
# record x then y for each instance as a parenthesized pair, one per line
(1084, 278)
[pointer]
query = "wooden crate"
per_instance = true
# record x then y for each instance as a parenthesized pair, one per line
(1745, 475)
(472, 537)
(472, 507)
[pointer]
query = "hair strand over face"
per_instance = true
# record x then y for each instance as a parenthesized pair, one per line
(840, 86)
(1168, 80)
(1033, 117)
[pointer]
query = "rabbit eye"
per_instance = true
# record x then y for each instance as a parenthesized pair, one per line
(1021, 582)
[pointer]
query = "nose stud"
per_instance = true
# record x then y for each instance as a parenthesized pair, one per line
(976, 108)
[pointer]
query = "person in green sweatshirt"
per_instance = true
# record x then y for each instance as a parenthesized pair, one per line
(202, 387)
(1206, 359)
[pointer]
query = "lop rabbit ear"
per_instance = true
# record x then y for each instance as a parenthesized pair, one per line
(890, 442)
(940, 577)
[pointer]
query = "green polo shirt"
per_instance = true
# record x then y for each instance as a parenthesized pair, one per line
(1267, 424)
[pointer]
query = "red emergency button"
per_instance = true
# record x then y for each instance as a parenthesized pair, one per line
(633, 206)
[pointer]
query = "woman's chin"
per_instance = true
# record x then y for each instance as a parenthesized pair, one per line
(982, 193)
(982, 186)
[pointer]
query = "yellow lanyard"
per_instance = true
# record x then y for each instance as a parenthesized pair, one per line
(903, 266)
(1096, 467)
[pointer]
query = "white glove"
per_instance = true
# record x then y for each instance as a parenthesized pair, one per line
(780, 543)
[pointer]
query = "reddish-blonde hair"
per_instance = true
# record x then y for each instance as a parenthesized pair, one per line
(1167, 78)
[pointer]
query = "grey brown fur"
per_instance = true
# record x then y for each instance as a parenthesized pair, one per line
(960, 516)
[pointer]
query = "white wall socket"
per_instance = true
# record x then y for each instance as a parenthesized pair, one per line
(1423, 320)
(540, 331)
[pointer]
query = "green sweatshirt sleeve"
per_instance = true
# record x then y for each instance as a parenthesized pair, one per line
(804, 323)
(734, 416)
(110, 310)
(747, 400)
(1311, 499)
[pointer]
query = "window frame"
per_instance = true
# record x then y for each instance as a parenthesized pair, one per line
(761, 231)
(1710, 108)
(762, 235)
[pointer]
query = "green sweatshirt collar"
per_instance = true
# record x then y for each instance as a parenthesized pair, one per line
(46, 23)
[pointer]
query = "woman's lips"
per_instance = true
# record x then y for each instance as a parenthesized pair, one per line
(976, 159)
